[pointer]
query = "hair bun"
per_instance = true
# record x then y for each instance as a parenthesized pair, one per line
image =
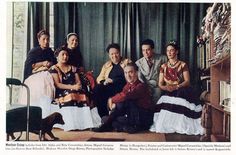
(42, 32)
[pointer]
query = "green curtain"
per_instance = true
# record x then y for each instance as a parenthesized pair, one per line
(38, 18)
(99, 24)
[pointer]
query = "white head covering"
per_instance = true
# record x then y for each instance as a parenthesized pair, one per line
(71, 34)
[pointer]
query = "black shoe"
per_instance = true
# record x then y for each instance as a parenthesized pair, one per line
(117, 126)
(130, 129)
(96, 129)
(104, 119)
(103, 128)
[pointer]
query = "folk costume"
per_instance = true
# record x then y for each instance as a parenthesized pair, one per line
(178, 111)
(72, 104)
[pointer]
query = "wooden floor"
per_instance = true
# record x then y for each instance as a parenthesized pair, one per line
(88, 135)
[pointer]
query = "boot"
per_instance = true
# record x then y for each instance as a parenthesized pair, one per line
(103, 128)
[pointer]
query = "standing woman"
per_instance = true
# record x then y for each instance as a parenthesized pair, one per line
(36, 75)
(178, 109)
(72, 45)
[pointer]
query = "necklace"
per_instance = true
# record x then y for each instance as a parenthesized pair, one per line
(172, 65)
(64, 69)
(65, 72)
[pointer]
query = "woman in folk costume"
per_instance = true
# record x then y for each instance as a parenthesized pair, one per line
(178, 110)
(70, 100)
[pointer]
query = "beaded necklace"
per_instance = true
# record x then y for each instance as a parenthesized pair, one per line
(172, 65)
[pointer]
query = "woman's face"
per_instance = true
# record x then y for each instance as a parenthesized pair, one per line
(43, 41)
(114, 55)
(171, 52)
(62, 57)
(72, 42)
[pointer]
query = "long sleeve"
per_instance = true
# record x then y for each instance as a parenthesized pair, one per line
(137, 92)
(101, 76)
(140, 75)
(30, 60)
(37, 55)
(120, 97)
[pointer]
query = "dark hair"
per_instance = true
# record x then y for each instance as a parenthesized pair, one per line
(148, 42)
(42, 32)
(113, 45)
(71, 34)
(58, 50)
(173, 44)
(131, 64)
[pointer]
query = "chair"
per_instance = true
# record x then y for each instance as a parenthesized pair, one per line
(23, 118)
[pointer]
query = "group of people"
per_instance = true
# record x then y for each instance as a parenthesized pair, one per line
(152, 93)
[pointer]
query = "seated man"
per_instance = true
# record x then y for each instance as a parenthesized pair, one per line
(149, 67)
(131, 109)
(111, 79)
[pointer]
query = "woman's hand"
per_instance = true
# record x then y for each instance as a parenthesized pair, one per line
(47, 63)
(171, 88)
(76, 86)
(107, 81)
(110, 104)
(37, 65)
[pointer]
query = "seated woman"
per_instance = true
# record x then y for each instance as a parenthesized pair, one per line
(69, 95)
(36, 75)
(178, 110)
(111, 79)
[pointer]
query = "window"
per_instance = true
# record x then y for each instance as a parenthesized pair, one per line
(16, 41)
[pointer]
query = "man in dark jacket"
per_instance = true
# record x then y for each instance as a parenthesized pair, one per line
(132, 109)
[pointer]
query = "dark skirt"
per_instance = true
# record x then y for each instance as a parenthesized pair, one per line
(186, 93)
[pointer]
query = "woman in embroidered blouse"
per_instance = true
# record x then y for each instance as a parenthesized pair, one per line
(178, 109)
(64, 77)
(174, 75)
(68, 93)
